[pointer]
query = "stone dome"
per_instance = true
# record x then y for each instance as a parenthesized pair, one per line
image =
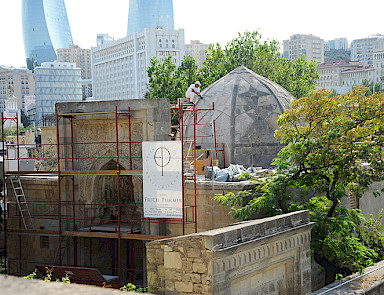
(246, 109)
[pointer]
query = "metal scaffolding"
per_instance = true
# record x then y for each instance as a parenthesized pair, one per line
(74, 228)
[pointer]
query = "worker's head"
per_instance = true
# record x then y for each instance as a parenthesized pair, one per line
(197, 84)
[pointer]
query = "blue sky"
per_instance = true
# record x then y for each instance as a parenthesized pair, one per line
(207, 20)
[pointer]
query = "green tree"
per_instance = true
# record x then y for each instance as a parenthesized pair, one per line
(168, 81)
(337, 54)
(263, 57)
(296, 76)
(24, 119)
(334, 148)
(369, 85)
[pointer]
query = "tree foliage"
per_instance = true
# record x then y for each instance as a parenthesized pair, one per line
(168, 81)
(262, 57)
(337, 54)
(334, 148)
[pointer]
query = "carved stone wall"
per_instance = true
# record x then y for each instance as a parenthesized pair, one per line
(150, 121)
(266, 256)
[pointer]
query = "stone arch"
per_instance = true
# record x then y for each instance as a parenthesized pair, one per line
(102, 191)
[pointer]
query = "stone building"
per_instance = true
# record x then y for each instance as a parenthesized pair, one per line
(266, 256)
(119, 68)
(197, 50)
(356, 76)
(85, 212)
(378, 65)
(17, 82)
(362, 49)
(246, 109)
(82, 58)
(312, 47)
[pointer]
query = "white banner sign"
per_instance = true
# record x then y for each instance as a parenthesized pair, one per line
(162, 179)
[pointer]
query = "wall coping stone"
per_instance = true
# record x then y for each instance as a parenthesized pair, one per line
(248, 230)
(364, 285)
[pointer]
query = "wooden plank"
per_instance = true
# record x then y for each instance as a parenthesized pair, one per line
(131, 172)
(84, 234)
(91, 172)
(77, 172)
(32, 231)
(113, 235)
(32, 172)
(85, 114)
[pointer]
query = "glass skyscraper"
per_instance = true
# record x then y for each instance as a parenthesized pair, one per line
(150, 14)
(45, 29)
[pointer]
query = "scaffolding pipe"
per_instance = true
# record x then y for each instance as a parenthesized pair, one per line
(4, 198)
(213, 171)
(118, 197)
(59, 183)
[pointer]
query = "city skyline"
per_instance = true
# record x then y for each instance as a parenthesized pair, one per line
(150, 14)
(207, 21)
(45, 29)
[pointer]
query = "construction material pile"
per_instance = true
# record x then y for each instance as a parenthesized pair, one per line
(235, 173)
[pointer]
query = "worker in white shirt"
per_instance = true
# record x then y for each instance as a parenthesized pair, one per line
(193, 92)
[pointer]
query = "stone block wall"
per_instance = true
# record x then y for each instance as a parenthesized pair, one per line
(204, 206)
(265, 256)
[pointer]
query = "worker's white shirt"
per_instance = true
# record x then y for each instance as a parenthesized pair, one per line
(197, 89)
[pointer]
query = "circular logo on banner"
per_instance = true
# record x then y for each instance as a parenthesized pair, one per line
(162, 158)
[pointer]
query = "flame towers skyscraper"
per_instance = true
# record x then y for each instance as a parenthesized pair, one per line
(150, 14)
(45, 29)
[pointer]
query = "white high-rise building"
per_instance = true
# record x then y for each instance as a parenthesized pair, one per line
(119, 68)
(56, 82)
(197, 50)
(362, 49)
(336, 44)
(18, 82)
(103, 39)
(11, 110)
(309, 45)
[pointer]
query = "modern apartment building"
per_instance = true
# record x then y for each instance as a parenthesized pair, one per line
(15, 82)
(45, 29)
(336, 44)
(197, 50)
(56, 82)
(362, 49)
(82, 59)
(119, 68)
(150, 14)
(309, 45)
(103, 39)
